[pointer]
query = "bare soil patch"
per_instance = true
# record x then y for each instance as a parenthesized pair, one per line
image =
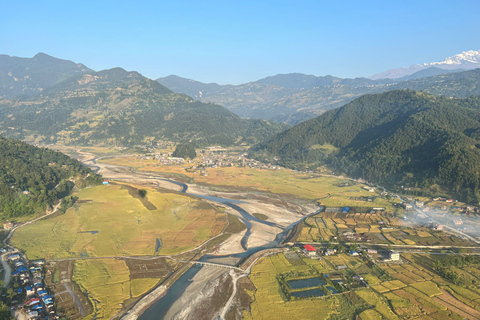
(217, 299)
(148, 268)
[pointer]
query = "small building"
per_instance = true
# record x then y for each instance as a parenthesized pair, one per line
(105, 181)
(14, 257)
(341, 267)
(371, 251)
(7, 225)
(353, 253)
(330, 252)
(393, 255)
(419, 204)
(407, 206)
(309, 250)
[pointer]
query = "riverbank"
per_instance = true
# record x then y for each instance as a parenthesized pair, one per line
(183, 300)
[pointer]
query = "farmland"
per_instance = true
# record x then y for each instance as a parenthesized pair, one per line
(109, 285)
(113, 220)
(406, 290)
(374, 228)
(329, 191)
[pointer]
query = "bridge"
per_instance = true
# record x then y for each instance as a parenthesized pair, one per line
(217, 265)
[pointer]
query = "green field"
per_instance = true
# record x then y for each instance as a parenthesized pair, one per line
(113, 220)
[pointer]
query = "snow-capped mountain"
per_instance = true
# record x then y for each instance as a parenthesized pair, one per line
(466, 60)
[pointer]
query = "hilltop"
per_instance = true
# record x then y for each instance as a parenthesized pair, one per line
(27, 77)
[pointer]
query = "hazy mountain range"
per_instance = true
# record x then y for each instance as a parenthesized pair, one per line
(466, 60)
(398, 136)
(76, 105)
(293, 98)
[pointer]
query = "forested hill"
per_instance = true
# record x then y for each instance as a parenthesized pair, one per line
(406, 136)
(31, 177)
(117, 107)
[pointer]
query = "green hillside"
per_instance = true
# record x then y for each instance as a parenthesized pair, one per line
(31, 178)
(117, 107)
(403, 137)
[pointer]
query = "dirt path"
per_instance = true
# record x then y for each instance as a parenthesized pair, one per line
(235, 276)
(76, 300)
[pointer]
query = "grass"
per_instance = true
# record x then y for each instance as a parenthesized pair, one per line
(109, 221)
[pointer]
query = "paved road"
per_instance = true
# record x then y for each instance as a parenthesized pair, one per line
(7, 271)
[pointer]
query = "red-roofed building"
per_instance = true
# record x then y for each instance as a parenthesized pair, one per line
(309, 250)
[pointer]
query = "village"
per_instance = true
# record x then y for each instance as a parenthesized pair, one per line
(211, 157)
(29, 295)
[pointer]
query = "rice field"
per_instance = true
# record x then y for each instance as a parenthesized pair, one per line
(112, 220)
(411, 290)
(328, 190)
(376, 228)
(108, 285)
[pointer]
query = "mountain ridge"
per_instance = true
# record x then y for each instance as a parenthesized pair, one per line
(305, 96)
(466, 60)
(119, 107)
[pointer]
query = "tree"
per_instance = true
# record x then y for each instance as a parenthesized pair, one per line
(185, 151)
(4, 312)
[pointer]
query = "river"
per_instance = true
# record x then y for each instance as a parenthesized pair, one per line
(160, 308)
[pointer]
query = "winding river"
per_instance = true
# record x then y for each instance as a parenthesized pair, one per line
(160, 308)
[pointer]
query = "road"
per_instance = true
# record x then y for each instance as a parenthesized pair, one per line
(7, 276)
(76, 300)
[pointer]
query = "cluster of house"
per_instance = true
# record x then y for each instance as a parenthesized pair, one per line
(211, 158)
(411, 204)
(311, 252)
(29, 276)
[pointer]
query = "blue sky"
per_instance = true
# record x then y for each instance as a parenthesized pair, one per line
(240, 41)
